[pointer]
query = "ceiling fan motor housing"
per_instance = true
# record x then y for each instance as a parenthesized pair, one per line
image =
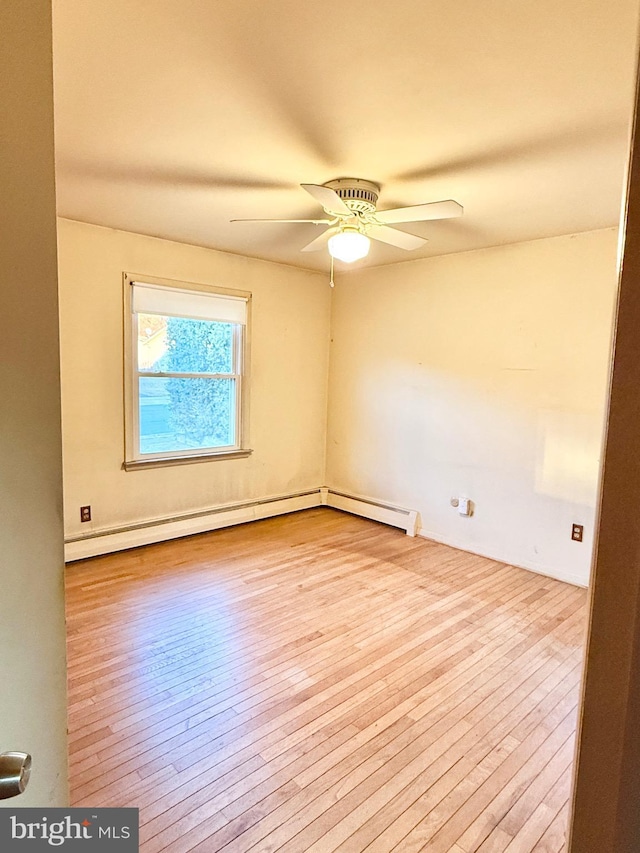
(359, 196)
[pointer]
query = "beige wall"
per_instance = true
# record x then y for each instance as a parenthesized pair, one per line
(480, 374)
(288, 394)
(32, 641)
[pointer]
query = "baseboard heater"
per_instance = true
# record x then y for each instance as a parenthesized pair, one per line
(406, 519)
(113, 539)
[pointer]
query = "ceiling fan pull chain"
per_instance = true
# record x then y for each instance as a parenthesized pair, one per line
(331, 281)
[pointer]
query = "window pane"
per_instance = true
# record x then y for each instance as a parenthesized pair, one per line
(176, 344)
(186, 414)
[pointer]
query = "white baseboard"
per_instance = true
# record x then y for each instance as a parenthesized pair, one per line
(395, 516)
(158, 530)
(538, 568)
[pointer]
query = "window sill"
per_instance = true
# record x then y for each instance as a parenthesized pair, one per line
(140, 464)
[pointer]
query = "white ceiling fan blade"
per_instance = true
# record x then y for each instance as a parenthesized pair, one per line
(420, 212)
(321, 241)
(328, 198)
(400, 239)
(314, 221)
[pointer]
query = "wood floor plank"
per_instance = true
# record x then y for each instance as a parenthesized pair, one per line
(318, 683)
(359, 672)
(475, 753)
(554, 839)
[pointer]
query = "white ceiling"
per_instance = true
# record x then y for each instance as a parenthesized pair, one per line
(175, 116)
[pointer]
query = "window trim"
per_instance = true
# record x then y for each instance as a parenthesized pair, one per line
(133, 460)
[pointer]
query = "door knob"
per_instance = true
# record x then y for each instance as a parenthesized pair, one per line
(15, 769)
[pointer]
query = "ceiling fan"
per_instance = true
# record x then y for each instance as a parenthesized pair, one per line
(353, 221)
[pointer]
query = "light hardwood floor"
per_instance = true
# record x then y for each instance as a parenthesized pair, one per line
(317, 683)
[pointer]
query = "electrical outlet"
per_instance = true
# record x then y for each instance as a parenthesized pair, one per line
(85, 513)
(576, 532)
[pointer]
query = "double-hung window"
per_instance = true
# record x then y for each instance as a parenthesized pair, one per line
(185, 371)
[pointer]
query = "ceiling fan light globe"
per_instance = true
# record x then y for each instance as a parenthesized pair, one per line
(349, 246)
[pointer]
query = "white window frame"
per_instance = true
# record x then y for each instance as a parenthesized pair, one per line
(133, 459)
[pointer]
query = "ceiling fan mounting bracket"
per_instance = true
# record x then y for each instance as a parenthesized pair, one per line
(359, 196)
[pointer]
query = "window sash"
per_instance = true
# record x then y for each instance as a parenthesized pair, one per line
(212, 450)
(177, 375)
(196, 451)
(133, 454)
